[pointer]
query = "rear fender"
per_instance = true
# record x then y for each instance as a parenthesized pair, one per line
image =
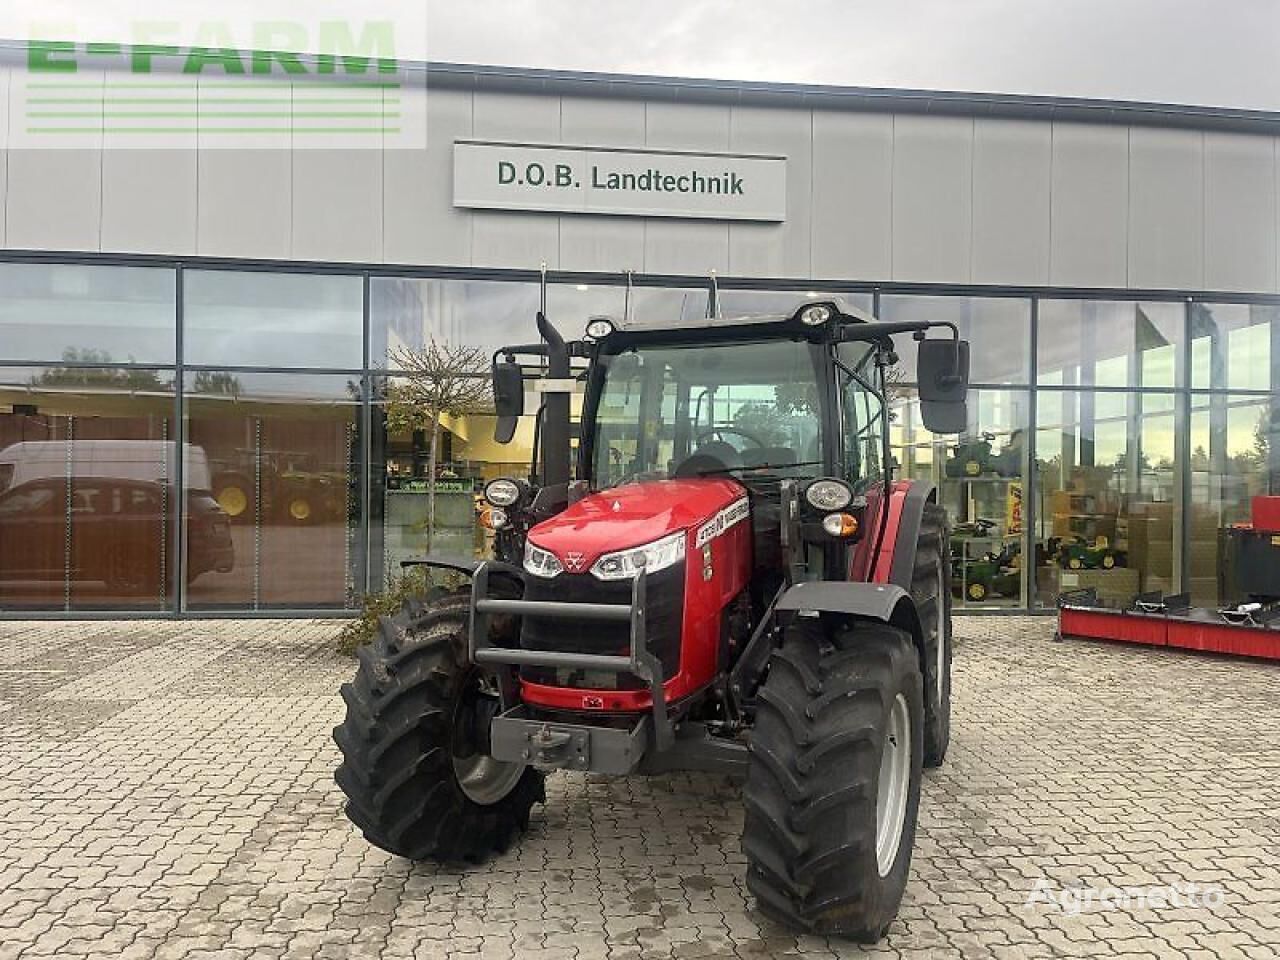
(843, 601)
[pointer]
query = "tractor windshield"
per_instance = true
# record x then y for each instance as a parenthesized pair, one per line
(702, 409)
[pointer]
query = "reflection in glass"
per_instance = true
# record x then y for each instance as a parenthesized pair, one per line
(748, 302)
(1108, 494)
(408, 312)
(1231, 346)
(283, 469)
(1109, 343)
(272, 319)
(1231, 450)
(87, 314)
(87, 493)
(980, 478)
(999, 329)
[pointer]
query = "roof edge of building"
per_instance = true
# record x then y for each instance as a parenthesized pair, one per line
(760, 93)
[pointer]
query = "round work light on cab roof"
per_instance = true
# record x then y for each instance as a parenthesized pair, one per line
(599, 328)
(815, 314)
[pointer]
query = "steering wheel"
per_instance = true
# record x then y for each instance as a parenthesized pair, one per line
(719, 432)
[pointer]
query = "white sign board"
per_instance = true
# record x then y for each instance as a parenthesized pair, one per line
(642, 183)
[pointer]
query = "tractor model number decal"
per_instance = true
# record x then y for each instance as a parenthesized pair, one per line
(722, 521)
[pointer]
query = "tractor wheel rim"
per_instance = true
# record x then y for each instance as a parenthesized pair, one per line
(894, 785)
(233, 501)
(485, 780)
(482, 779)
(299, 509)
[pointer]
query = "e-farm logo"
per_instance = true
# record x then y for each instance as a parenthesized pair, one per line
(226, 84)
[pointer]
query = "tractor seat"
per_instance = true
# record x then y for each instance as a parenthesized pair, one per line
(713, 457)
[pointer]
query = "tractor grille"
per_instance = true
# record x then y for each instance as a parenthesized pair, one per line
(664, 615)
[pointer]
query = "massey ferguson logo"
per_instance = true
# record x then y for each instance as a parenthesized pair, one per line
(574, 561)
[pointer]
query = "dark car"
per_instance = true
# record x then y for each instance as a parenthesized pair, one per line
(109, 529)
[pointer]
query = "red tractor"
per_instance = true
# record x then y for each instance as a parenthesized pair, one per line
(733, 583)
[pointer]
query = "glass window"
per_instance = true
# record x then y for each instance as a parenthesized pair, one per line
(980, 482)
(667, 410)
(862, 413)
(272, 319)
(87, 314)
(87, 497)
(274, 513)
(1109, 343)
(1231, 446)
(998, 328)
(407, 312)
(1108, 492)
(747, 302)
(1231, 346)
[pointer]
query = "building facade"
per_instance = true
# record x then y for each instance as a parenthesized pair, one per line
(196, 340)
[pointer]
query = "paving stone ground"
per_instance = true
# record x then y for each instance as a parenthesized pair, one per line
(166, 791)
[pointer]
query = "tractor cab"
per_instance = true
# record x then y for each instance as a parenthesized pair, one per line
(728, 578)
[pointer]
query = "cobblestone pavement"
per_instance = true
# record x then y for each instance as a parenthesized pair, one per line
(166, 791)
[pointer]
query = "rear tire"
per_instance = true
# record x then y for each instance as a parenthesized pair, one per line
(408, 788)
(931, 591)
(826, 852)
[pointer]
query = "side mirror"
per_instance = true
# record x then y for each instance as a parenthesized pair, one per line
(508, 399)
(942, 373)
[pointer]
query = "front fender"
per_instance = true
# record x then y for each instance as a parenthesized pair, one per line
(458, 564)
(876, 601)
(885, 602)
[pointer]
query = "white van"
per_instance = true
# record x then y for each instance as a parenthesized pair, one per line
(146, 461)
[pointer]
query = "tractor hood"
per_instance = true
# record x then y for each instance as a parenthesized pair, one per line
(631, 516)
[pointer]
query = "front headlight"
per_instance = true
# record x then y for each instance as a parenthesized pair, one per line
(652, 557)
(828, 494)
(539, 562)
(502, 492)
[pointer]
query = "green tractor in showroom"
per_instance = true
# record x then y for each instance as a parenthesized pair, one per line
(735, 583)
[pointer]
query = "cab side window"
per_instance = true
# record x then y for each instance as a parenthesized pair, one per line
(863, 418)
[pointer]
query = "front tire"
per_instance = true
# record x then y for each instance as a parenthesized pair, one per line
(833, 791)
(418, 784)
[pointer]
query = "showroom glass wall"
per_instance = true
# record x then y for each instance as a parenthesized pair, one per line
(1111, 441)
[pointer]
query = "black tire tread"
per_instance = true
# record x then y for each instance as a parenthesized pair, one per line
(397, 767)
(811, 784)
(931, 591)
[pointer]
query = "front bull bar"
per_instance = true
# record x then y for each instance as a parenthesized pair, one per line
(515, 736)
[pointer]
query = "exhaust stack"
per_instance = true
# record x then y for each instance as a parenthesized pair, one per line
(555, 408)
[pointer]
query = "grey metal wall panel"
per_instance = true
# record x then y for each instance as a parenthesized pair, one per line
(1239, 212)
(681, 246)
(54, 196)
(420, 223)
(852, 218)
(1166, 208)
(515, 239)
(6, 75)
(149, 199)
(601, 243)
(1089, 214)
(337, 205)
(244, 189)
(1011, 172)
(54, 200)
(932, 198)
(775, 249)
(245, 202)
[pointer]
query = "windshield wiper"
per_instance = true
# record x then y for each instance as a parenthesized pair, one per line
(760, 466)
